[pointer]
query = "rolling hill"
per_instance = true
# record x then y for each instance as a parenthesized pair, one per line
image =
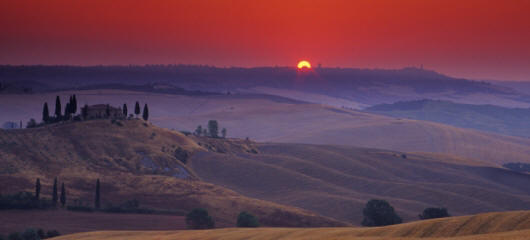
(134, 160)
(502, 225)
(509, 121)
(266, 118)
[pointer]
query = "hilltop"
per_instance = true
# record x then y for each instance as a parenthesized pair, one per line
(502, 225)
(509, 121)
(134, 160)
(266, 118)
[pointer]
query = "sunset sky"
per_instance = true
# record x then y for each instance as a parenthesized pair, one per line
(475, 39)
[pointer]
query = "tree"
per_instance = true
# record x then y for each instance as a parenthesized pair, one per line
(54, 194)
(31, 124)
(125, 110)
(137, 108)
(67, 111)
(45, 113)
(429, 213)
(107, 111)
(198, 130)
(58, 107)
(213, 128)
(37, 189)
(97, 202)
(74, 104)
(145, 115)
(63, 195)
(247, 220)
(379, 213)
(198, 218)
(52, 233)
(84, 111)
(223, 132)
(30, 234)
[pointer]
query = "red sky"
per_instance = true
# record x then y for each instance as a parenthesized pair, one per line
(476, 39)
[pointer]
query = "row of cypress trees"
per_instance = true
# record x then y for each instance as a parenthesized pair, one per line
(55, 195)
(62, 198)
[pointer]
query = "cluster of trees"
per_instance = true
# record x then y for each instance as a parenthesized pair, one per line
(381, 213)
(70, 111)
(211, 131)
(199, 218)
(31, 234)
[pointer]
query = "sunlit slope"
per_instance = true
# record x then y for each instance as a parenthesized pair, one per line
(134, 160)
(502, 225)
(336, 181)
(277, 119)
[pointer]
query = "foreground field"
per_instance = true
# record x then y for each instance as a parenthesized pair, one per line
(503, 225)
(67, 222)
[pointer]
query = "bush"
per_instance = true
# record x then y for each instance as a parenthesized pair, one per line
(379, 213)
(30, 234)
(247, 220)
(198, 218)
(52, 233)
(14, 236)
(23, 200)
(430, 213)
(41, 233)
(79, 208)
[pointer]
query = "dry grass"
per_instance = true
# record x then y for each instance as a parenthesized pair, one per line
(502, 225)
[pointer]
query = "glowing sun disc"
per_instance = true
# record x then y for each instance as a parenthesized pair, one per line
(304, 64)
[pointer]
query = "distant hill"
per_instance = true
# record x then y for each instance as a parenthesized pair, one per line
(509, 121)
(490, 226)
(134, 160)
(362, 86)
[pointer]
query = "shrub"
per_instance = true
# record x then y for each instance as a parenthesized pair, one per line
(14, 236)
(23, 200)
(379, 213)
(247, 220)
(198, 218)
(41, 233)
(52, 233)
(430, 213)
(30, 234)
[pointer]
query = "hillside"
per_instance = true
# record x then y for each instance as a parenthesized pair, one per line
(134, 160)
(276, 119)
(509, 121)
(502, 225)
(337, 181)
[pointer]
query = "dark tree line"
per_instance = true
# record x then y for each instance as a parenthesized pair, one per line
(212, 131)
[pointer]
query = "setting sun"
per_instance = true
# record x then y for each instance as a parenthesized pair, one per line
(304, 64)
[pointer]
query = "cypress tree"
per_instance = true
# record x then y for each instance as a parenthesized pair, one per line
(45, 113)
(107, 111)
(74, 104)
(54, 195)
(58, 107)
(125, 110)
(63, 195)
(137, 109)
(146, 112)
(67, 111)
(37, 189)
(97, 202)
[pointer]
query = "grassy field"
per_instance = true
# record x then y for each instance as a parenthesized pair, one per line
(275, 119)
(67, 222)
(503, 225)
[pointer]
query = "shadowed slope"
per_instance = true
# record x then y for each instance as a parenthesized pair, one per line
(337, 181)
